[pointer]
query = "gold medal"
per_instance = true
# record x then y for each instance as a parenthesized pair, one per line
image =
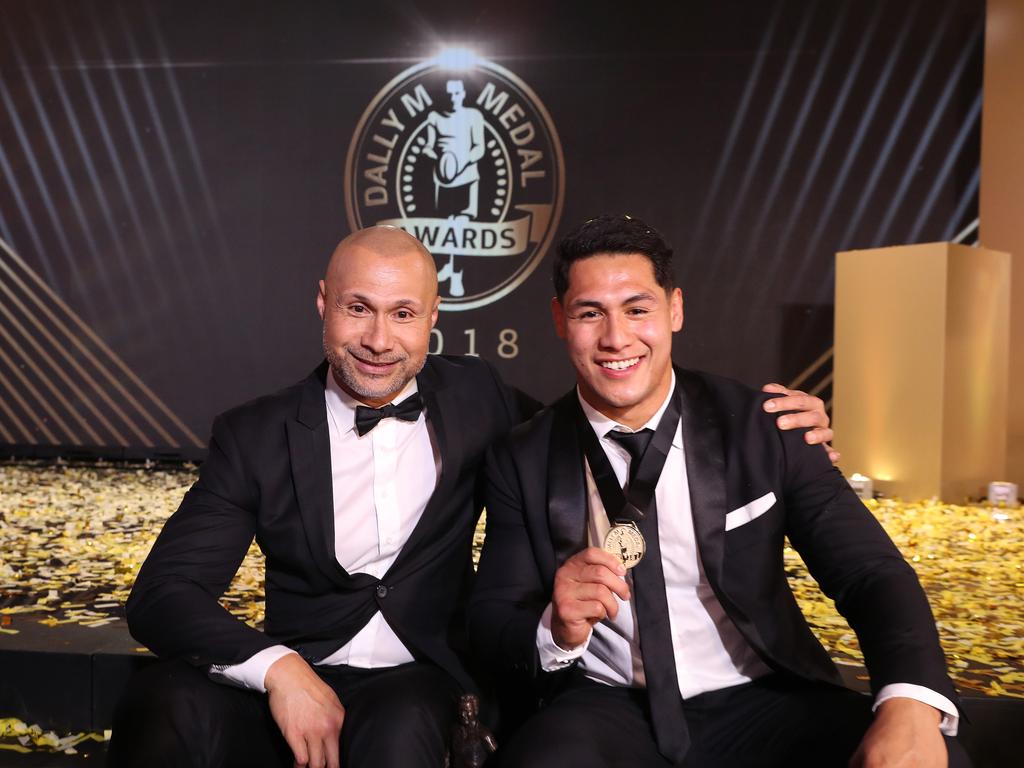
(626, 542)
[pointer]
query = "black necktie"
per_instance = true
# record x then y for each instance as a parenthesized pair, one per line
(635, 444)
(407, 410)
(667, 716)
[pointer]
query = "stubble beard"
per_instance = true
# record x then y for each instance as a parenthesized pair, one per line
(366, 387)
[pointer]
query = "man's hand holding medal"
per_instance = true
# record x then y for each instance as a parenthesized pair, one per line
(585, 590)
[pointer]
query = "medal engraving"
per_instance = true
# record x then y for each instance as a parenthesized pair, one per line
(626, 542)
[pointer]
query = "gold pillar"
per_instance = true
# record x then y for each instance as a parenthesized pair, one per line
(1002, 187)
(921, 359)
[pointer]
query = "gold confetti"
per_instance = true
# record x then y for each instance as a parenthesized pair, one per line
(18, 736)
(968, 559)
(72, 540)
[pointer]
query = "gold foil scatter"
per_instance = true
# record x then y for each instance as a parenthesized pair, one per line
(968, 559)
(17, 736)
(73, 538)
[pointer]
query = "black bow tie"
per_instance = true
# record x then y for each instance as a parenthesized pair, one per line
(407, 410)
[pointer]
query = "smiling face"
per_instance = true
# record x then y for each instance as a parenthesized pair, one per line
(378, 303)
(617, 323)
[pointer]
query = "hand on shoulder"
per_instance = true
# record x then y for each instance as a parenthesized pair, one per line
(809, 412)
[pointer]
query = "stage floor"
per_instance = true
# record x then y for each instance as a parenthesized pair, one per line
(73, 537)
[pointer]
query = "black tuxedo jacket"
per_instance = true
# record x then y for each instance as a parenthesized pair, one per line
(537, 515)
(268, 475)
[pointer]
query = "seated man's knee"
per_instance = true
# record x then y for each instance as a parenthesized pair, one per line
(152, 715)
(422, 716)
(161, 693)
(403, 718)
(549, 740)
(168, 710)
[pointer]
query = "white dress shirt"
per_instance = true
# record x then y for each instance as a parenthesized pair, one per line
(381, 483)
(710, 652)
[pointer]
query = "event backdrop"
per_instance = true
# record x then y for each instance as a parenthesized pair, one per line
(174, 175)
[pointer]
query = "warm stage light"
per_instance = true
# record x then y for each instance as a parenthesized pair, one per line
(862, 486)
(1002, 494)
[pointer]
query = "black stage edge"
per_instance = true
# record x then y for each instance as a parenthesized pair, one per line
(69, 678)
(91, 454)
(66, 678)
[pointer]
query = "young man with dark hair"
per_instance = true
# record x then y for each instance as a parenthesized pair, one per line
(633, 562)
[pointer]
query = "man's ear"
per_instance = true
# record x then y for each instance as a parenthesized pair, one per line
(433, 312)
(676, 309)
(558, 316)
(321, 299)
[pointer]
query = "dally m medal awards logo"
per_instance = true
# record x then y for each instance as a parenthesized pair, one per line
(466, 159)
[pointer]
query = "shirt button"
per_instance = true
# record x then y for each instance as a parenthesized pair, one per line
(382, 591)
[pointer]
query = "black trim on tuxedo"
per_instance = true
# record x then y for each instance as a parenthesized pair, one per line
(705, 475)
(567, 489)
(309, 444)
(705, 471)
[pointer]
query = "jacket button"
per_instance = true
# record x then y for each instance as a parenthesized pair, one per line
(382, 591)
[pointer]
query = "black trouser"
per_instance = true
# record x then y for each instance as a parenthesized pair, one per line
(173, 715)
(771, 722)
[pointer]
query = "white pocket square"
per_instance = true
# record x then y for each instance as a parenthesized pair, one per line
(750, 511)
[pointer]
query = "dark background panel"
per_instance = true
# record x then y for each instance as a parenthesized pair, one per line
(172, 173)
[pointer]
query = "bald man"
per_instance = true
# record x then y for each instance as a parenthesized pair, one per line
(359, 486)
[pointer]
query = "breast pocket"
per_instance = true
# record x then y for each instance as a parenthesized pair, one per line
(751, 524)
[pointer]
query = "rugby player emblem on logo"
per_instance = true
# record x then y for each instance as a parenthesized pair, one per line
(462, 154)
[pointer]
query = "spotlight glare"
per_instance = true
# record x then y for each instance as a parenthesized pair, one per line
(457, 59)
(862, 485)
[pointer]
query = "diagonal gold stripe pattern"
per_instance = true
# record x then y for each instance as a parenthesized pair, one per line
(46, 381)
(61, 374)
(820, 386)
(26, 409)
(90, 358)
(43, 402)
(826, 357)
(4, 434)
(106, 396)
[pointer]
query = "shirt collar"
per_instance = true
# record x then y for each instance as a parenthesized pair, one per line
(601, 424)
(342, 406)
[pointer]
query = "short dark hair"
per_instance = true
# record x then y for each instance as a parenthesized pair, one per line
(617, 235)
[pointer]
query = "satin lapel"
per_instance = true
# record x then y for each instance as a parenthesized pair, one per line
(309, 446)
(705, 471)
(444, 416)
(567, 496)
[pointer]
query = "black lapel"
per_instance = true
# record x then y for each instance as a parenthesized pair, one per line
(567, 494)
(309, 445)
(705, 471)
(443, 410)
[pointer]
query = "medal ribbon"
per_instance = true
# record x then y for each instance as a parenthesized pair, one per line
(668, 718)
(632, 503)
